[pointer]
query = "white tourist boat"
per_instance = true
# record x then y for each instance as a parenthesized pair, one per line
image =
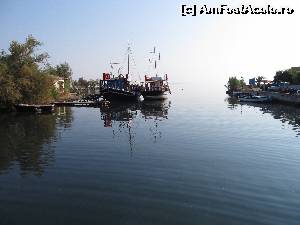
(155, 87)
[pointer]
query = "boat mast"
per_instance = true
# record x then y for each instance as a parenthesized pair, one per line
(128, 59)
(128, 63)
(153, 58)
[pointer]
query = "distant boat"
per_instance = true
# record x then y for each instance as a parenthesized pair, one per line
(256, 98)
(34, 108)
(156, 87)
(119, 87)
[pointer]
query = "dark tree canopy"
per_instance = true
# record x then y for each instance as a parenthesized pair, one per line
(291, 75)
(25, 76)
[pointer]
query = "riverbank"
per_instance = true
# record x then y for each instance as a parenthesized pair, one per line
(283, 97)
(280, 97)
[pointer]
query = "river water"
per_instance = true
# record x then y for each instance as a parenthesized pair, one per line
(192, 159)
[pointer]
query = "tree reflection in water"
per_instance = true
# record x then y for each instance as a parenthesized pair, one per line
(287, 114)
(26, 139)
(124, 117)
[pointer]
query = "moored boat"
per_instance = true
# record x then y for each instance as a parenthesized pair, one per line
(156, 87)
(119, 87)
(256, 98)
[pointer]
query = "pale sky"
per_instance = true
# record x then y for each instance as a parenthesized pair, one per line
(206, 48)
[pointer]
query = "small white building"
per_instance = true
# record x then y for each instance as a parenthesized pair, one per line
(59, 83)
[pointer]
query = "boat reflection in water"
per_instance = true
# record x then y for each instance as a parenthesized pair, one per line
(127, 117)
(287, 114)
(26, 140)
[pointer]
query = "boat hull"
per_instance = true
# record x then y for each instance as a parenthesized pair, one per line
(250, 100)
(255, 100)
(154, 95)
(119, 95)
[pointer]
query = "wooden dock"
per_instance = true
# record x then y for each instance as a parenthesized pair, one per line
(34, 108)
(77, 104)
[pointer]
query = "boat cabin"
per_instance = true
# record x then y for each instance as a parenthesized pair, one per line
(117, 83)
(155, 83)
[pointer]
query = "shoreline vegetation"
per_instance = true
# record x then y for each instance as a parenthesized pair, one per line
(26, 77)
(290, 76)
(285, 86)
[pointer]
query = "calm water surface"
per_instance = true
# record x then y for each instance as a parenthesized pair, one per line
(193, 159)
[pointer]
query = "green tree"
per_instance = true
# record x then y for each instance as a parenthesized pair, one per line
(234, 84)
(92, 84)
(9, 93)
(259, 79)
(283, 76)
(25, 76)
(291, 75)
(295, 73)
(64, 70)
